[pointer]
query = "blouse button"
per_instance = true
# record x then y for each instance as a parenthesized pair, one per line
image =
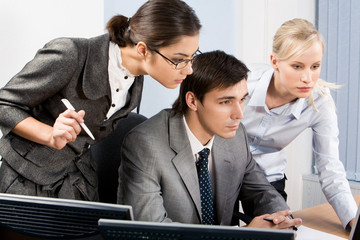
(117, 90)
(113, 105)
(126, 77)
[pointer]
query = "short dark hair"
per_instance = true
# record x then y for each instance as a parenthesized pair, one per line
(211, 70)
(158, 23)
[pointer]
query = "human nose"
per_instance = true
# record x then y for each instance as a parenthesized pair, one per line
(306, 76)
(238, 111)
(187, 70)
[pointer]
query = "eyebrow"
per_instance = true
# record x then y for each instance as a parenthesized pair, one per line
(297, 62)
(185, 55)
(232, 97)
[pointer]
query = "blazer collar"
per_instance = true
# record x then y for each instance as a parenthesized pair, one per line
(95, 79)
(184, 160)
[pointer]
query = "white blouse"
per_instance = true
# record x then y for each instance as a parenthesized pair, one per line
(270, 131)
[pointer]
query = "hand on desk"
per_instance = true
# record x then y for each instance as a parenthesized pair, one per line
(280, 220)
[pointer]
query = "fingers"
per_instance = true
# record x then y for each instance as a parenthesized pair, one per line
(282, 220)
(67, 126)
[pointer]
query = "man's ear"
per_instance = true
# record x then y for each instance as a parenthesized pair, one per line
(274, 62)
(191, 100)
(142, 49)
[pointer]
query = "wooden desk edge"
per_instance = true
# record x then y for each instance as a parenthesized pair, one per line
(323, 218)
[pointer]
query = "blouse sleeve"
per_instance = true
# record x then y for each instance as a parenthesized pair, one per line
(331, 171)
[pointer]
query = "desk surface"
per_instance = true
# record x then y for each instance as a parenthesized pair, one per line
(324, 218)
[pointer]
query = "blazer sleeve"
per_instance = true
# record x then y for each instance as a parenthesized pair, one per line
(139, 178)
(45, 75)
(257, 195)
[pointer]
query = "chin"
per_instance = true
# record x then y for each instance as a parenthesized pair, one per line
(227, 135)
(304, 95)
(172, 86)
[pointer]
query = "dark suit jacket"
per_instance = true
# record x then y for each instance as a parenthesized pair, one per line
(158, 176)
(76, 69)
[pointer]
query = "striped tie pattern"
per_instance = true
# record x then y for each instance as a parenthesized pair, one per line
(207, 204)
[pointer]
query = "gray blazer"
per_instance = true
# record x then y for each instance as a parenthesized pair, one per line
(158, 176)
(76, 69)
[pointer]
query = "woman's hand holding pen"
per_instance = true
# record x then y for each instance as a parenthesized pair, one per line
(66, 128)
(278, 220)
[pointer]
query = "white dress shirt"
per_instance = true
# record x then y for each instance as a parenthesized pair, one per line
(196, 147)
(269, 131)
(120, 80)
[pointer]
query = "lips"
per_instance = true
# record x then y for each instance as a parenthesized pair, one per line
(234, 127)
(179, 81)
(305, 89)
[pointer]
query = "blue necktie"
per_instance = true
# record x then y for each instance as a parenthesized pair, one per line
(207, 204)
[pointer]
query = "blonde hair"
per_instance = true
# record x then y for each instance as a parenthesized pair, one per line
(292, 39)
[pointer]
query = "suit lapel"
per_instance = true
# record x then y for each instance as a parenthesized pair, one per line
(184, 161)
(222, 162)
(96, 78)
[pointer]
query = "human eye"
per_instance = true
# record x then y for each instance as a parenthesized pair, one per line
(296, 66)
(316, 66)
(224, 102)
(178, 60)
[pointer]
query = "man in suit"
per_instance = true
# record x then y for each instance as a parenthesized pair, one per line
(160, 158)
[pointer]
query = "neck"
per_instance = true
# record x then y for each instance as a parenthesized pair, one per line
(196, 128)
(276, 96)
(132, 61)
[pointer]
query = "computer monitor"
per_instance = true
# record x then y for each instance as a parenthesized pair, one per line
(119, 229)
(54, 218)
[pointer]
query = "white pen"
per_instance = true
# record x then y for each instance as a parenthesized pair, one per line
(69, 106)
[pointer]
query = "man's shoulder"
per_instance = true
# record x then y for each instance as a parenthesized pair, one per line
(155, 123)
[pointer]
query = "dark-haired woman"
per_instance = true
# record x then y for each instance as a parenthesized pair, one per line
(44, 149)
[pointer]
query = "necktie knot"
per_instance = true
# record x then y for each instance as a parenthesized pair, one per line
(204, 154)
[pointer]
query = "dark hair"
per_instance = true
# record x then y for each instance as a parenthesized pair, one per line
(211, 70)
(158, 23)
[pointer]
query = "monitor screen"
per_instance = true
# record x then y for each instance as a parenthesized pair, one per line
(56, 218)
(119, 229)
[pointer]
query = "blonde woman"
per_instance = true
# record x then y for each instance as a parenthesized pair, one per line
(287, 97)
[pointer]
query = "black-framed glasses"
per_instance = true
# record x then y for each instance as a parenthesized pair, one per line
(181, 64)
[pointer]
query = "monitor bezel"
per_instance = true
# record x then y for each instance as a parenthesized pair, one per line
(182, 227)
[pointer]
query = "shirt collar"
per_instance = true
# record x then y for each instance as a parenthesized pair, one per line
(259, 94)
(297, 106)
(195, 144)
(115, 59)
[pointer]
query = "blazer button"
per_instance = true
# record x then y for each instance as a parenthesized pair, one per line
(21, 179)
(77, 159)
(102, 128)
(86, 145)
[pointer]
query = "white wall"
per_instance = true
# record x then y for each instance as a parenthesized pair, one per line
(25, 26)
